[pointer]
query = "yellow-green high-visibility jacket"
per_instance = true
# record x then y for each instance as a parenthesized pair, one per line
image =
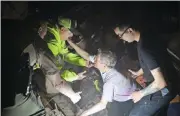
(59, 48)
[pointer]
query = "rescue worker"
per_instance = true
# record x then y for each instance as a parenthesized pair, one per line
(53, 83)
(49, 52)
(56, 35)
(117, 89)
(157, 69)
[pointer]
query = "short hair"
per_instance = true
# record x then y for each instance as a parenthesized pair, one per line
(122, 27)
(107, 57)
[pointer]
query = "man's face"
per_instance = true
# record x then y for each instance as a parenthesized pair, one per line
(65, 33)
(98, 63)
(126, 35)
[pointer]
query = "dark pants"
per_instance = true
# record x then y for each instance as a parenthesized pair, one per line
(152, 105)
(120, 108)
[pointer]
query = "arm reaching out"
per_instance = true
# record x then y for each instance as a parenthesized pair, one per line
(158, 83)
(96, 108)
(159, 80)
(80, 51)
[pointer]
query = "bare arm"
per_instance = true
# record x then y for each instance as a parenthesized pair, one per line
(140, 72)
(80, 51)
(158, 83)
(96, 108)
(150, 58)
(108, 91)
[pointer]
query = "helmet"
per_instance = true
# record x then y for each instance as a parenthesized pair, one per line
(67, 23)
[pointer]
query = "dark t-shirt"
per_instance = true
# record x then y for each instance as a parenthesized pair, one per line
(152, 54)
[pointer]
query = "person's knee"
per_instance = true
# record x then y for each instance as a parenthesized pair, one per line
(134, 113)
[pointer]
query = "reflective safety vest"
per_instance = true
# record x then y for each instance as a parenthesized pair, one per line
(58, 47)
(61, 52)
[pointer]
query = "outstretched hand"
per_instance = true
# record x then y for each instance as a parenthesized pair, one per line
(82, 75)
(133, 74)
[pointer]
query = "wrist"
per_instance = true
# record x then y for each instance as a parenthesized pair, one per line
(87, 64)
(78, 74)
(78, 77)
(85, 113)
(139, 73)
(141, 93)
(70, 41)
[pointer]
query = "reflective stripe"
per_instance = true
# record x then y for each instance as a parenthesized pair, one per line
(96, 83)
(69, 76)
(36, 66)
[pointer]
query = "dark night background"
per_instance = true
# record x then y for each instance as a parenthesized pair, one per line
(158, 17)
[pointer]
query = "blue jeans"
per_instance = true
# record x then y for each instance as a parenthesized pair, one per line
(152, 105)
(120, 108)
